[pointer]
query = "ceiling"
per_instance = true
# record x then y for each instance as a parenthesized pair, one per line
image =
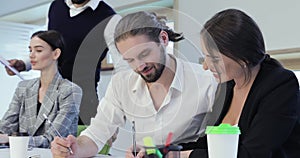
(35, 11)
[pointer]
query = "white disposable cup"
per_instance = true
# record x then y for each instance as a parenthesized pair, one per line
(18, 146)
(222, 145)
(222, 141)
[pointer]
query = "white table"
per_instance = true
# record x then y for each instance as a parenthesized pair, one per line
(43, 153)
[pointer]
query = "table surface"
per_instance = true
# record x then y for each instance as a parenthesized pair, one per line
(43, 153)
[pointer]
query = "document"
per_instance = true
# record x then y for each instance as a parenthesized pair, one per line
(6, 63)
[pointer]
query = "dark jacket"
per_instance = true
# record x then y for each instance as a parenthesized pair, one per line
(269, 122)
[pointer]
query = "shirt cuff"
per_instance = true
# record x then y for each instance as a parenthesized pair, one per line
(87, 132)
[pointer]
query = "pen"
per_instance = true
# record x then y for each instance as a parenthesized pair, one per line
(133, 139)
(56, 131)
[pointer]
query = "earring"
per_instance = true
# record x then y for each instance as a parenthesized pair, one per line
(245, 66)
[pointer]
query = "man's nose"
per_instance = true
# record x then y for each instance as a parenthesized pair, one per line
(140, 66)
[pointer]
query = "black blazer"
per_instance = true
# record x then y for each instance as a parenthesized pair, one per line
(269, 122)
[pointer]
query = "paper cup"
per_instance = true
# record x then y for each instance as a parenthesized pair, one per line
(18, 146)
(222, 141)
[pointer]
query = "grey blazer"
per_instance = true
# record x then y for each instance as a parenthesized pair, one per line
(61, 104)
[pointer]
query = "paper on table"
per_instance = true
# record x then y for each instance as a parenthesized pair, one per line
(6, 63)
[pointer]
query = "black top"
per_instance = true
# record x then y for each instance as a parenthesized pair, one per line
(74, 30)
(269, 122)
(38, 107)
(80, 62)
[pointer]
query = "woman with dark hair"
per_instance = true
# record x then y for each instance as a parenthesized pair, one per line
(49, 95)
(262, 98)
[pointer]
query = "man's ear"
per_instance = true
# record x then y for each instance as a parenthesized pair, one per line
(57, 53)
(164, 38)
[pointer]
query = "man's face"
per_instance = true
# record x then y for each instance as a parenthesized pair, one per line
(145, 57)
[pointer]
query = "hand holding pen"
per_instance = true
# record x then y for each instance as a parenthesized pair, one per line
(56, 131)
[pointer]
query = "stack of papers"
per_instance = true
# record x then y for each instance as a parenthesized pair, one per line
(6, 63)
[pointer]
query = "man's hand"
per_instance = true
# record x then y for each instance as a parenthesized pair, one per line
(140, 152)
(19, 65)
(59, 147)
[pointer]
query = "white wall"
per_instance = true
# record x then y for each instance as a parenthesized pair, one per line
(14, 41)
(278, 21)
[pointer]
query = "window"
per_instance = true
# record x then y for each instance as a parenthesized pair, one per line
(298, 76)
(14, 41)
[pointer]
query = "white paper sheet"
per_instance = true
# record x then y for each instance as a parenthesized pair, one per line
(6, 63)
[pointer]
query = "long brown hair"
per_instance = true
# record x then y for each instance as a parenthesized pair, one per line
(237, 36)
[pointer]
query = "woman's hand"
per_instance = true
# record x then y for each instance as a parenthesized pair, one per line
(3, 138)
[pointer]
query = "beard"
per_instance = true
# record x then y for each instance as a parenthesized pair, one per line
(158, 69)
(157, 73)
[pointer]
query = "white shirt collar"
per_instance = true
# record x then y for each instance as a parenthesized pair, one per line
(177, 82)
(75, 11)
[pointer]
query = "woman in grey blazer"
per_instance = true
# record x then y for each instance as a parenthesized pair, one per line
(50, 94)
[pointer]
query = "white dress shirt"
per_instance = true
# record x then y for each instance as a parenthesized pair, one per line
(75, 11)
(190, 95)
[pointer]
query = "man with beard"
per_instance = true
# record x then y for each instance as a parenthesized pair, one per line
(161, 94)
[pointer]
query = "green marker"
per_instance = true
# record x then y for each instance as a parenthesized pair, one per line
(148, 142)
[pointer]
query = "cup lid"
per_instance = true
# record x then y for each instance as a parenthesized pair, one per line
(223, 128)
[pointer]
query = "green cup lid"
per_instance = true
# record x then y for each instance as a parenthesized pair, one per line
(222, 129)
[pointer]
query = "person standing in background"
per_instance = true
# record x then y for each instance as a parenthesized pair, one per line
(50, 94)
(75, 19)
